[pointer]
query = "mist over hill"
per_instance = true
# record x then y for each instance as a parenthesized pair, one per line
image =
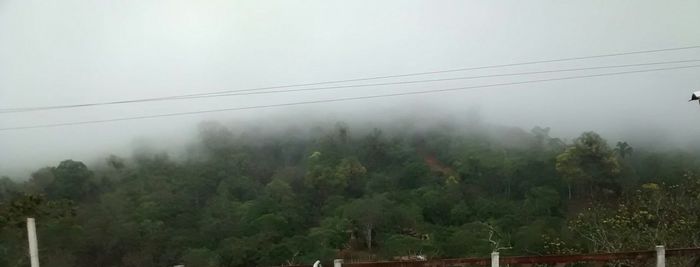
(242, 195)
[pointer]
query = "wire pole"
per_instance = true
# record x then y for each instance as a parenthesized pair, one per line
(33, 244)
(660, 256)
(495, 259)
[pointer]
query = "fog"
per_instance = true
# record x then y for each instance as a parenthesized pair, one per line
(73, 52)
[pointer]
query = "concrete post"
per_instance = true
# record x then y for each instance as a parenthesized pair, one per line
(33, 244)
(660, 256)
(494, 259)
(338, 263)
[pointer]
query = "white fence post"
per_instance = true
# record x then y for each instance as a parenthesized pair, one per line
(33, 244)
(660, 256)
(494, 259)
(338, 263)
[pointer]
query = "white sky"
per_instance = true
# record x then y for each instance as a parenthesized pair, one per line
(70, 51)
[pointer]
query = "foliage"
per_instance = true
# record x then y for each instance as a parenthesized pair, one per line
(655, 214)
(590, 164)
(249, 198)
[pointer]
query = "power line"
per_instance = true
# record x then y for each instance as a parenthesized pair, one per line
(337, 99)
(185, 96)
(249, 92)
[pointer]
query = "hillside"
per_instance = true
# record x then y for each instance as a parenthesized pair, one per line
(241, 198)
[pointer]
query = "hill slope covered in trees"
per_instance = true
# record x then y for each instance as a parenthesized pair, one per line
(246, 199)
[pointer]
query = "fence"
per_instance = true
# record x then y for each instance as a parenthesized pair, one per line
(636, 258)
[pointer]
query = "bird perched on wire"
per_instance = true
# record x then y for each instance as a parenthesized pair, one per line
(695, 96)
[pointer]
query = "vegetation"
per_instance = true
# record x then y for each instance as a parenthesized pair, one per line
(247, 199)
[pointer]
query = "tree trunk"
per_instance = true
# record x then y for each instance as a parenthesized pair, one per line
(369, 237)
(508, 189)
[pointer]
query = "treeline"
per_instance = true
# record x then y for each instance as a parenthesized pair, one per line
(250, 199)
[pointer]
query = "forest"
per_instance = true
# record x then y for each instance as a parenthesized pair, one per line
(251, 197)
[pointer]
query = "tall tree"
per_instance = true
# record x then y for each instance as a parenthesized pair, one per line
(590, 163)
(623, 149)
(655, 214)
(369, 213)
(72, 180)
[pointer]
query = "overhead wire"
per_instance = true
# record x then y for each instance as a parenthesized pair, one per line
(245, 92)
(229, 92)
(340, 99)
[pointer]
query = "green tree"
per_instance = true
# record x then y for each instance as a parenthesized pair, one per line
(200, 257)
(468, 240)
(656, 214)
(403, 245)
(542, 201)
(72, 180)
(590, 163)
(329, 179)
(8, 189)
(623, 149)
(369, 214)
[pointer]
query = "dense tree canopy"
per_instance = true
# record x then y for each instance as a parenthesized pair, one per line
(240, 198)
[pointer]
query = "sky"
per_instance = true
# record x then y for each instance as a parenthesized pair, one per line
(81, 51)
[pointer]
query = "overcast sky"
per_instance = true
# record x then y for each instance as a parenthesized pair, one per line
(72, 52)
